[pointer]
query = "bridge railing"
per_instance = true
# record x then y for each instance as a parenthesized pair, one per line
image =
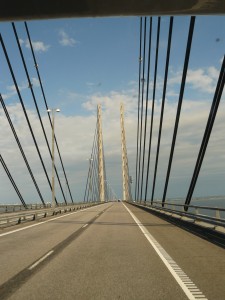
(17, 217)
(211, 215)
(18, 207)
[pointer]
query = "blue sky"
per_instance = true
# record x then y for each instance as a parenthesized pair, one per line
(98, 56)
(95, 60)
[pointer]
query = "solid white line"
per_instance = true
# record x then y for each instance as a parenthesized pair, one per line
(38, 224)
(165, 258)
(40, 260)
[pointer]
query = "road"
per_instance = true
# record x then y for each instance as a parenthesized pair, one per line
(110, 251)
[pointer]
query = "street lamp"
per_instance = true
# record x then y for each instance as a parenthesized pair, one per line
(53, 110)
(90, 184)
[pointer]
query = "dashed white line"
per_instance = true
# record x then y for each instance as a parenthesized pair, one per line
(183, 280)
(40, 260)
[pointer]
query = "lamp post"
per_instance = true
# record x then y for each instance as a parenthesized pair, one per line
(53, 110)
(108, 191)
(90, 184)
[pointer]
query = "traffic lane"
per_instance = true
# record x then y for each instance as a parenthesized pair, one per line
(4, 230)
(201, 260)
(20, 249)
(110, 260)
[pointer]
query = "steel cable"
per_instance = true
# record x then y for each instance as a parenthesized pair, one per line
(12, 181)
(105, 178)
(89, 169)
(36, 105)
(153, 106)
(207, 133)
(142, 102)
(183, 81)
(146, 103)
(163, 103)
(24, 110)
(46, 105)
(20, 147)
(139, 90)
(95, 171)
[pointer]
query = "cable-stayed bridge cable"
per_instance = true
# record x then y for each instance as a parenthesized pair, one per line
(105, 177)
(24, 110)
(183, 81)
(46, 105)
(207, 133)
(89, 169)
(12, 181)
(153, 106)
(163, 103)
(95, 169)
(21, 148)
(36, 105)
(139, 90)
(146, 103)
(142, 103)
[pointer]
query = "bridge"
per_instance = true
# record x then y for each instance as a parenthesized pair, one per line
(107, 246)
(110, 251)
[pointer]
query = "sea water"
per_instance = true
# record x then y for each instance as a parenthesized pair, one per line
(212, 201)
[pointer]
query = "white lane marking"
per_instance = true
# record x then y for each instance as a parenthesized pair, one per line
(38, 224)
(169, 262)
(84, 225)
(40, 260)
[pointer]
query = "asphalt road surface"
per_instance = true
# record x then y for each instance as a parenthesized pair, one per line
(108, 252)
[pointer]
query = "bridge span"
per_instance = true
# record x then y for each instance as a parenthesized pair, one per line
(110, 251)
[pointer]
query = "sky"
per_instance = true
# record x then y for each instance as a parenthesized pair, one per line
(88, 61)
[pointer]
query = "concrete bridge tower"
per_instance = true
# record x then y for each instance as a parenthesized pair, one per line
(125, 169)
(101, 176)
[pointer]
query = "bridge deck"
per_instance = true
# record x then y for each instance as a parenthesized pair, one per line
(101, 253)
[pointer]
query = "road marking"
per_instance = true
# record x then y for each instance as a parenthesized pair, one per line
(38, 224)
(40, 260)
(84, 225)
(170, 263)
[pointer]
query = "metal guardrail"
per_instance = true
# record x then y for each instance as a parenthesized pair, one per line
(193, 213)
(18, 218)
(18, 207)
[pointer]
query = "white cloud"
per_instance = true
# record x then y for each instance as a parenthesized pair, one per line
(35, 82)
(92, 84)
(202, 79)
(11, 90)
(65, 40)
(38, 46)
(191, 128)
(213, 73)
(21, 41)
(75, 136)
(172, 93)
(175, 78)
(133, 83)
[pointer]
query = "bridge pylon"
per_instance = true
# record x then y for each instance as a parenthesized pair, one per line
(101, 177)
(125, 169)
